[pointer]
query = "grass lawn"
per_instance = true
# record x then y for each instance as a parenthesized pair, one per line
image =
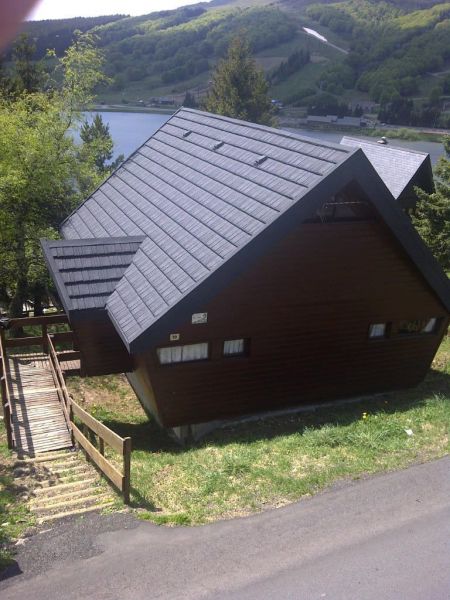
(15, 518)
(253, 466)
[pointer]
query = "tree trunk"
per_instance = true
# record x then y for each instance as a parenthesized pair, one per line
(20, 294)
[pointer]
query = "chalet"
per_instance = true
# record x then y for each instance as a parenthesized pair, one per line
(401, 169)
(230, 268)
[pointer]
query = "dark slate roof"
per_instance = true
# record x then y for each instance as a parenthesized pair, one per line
(209, 195)
(396, 166)
(199, 190)
(87, 271)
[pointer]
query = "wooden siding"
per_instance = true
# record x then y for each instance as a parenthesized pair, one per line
(306, 308)
(102, 350)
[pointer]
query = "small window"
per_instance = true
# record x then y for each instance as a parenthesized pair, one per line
(417, 326)
(178, 354)
(377, 330)
(234, 347)
(431, 325)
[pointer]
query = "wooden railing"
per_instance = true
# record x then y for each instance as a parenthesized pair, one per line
(6, 400)
(59, 381)
(105, 435)
(38, 340)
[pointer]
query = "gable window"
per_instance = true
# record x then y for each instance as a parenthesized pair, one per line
(377, 330)
(234, 347)
(178, 354)
(345, 206)
(417, 326)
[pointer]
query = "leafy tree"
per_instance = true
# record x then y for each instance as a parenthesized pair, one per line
(239, 88)
(98, 145)
(432, 214)
(41, 174)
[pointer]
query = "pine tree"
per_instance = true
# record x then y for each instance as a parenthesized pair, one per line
(189, 100)
(99, 143)
(239, 88)
(432, 215)
(28, 73)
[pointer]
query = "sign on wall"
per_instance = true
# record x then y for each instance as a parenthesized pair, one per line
(198, 318)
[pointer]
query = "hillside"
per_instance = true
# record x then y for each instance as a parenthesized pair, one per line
(379, 52)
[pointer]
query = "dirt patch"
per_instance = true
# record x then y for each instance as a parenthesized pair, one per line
(111, 393)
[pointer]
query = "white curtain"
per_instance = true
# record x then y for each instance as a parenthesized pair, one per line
(233, 347)
(377, 330)
(176, 354)
(169, 355)
(195, 352)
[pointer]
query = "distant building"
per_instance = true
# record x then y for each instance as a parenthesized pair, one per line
(320, 119)
(162, 101)
(336, 121)
(351, 122)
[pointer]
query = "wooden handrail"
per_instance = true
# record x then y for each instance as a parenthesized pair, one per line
(56, 319)
(59, 380)
(105, 435)
(43, 321)
(6, 400)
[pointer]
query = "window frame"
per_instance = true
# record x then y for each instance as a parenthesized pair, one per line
(377, 338)
(183, 362)
(243, 354)
(412, 334)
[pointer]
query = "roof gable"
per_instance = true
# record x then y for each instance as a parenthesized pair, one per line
(397, 167)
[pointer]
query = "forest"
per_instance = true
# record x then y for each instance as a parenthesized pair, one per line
(395, 54)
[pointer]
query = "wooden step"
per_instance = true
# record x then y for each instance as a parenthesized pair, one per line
(56, 488)
(65, 497)
(76, 502)
(71, 513)
(46, 457)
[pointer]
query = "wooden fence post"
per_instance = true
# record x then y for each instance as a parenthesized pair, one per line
(6, 413)
(44, 339)
(126, 469)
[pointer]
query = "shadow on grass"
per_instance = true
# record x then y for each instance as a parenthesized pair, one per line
(149, 437)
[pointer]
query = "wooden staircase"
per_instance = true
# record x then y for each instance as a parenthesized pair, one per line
(61, 484)
(38, 420)
(43, 422)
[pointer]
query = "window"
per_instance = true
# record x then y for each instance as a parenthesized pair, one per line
(234, 347)
(430, 327)
(178, 354)
(417, 326)
(345, 206)
(377, 330)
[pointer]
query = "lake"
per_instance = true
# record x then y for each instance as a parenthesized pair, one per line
(131, 130)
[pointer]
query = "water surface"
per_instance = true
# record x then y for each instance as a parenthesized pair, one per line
(131, 130)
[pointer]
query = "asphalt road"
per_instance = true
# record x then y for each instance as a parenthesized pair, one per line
(383, 538)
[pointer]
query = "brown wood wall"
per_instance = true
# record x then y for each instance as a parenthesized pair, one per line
(102, 350)
(306, 308)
